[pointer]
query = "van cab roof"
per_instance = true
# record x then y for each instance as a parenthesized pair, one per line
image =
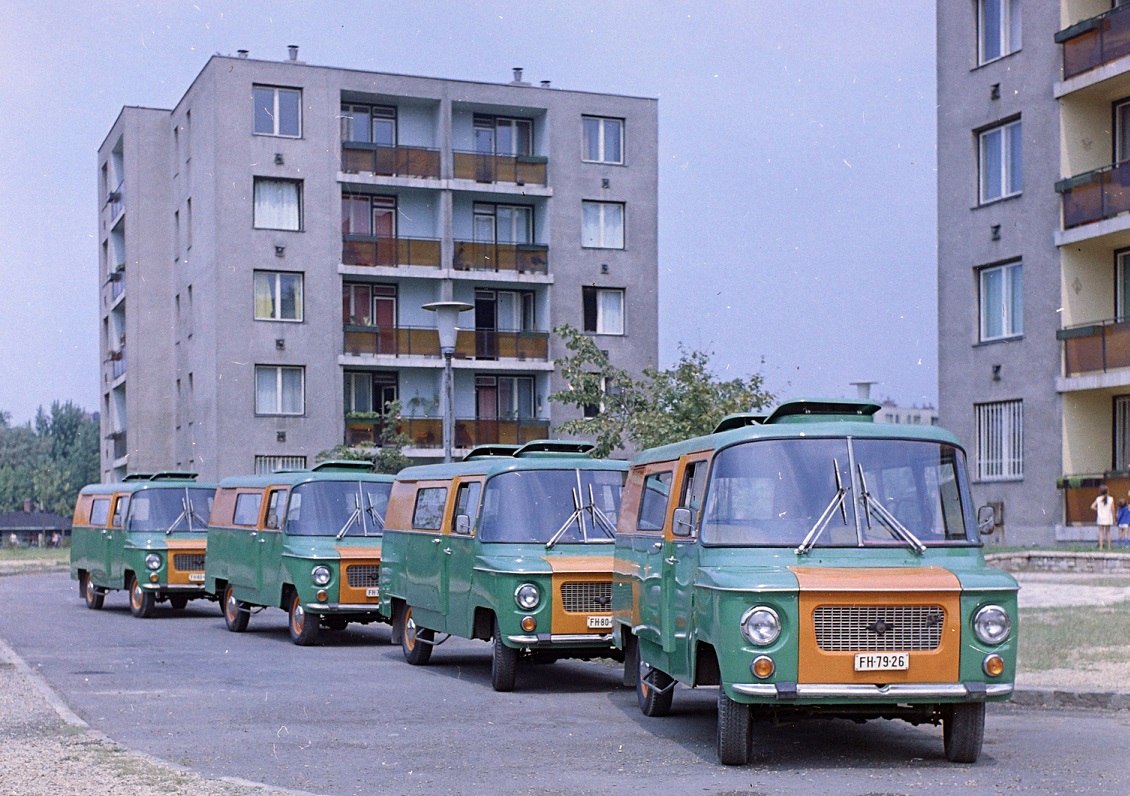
(538, 455)
(316, 473)
(144, 482)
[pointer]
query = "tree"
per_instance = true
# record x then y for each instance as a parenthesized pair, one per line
(661, 407)
(388, 455)
(50, 461)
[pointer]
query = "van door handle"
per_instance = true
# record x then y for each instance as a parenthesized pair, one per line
(437, 540)
(670, 560)
(254, 534)
(262, 541)
(447, 551)
(658, 545)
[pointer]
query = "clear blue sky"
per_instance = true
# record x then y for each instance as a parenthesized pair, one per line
(796, 160)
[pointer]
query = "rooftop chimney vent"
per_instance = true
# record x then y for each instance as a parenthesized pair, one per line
(517, 74)
(241, 53)
(292, 51)
(545, 84)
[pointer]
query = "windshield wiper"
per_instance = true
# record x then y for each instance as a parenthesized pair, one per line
(374, 515)
(578, 516)
(825, 519)
(890, 521)
(599, 520)
(356, 515)
(181, 516)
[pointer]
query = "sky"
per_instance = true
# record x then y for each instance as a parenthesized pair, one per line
(797, 182)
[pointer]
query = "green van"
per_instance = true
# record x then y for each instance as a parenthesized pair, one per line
(813, 563)
(306, 541)
(512, 545)
(147, 535)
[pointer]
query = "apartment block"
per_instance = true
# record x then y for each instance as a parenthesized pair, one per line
(268, 246)
(1033, 245)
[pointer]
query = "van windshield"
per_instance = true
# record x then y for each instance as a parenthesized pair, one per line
(170, 510)
(895, 492)
(337, 508)
(535, 505)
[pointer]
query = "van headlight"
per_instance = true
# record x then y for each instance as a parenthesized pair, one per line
(761, 626)
(153, 561)
(527, 596)
(992, 624)
(321, 575)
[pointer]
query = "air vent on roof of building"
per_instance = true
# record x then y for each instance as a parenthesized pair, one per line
(241, 53)
(292, 51)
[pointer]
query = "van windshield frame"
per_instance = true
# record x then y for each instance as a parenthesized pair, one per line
(337, 508)
(563, 506)
(171, 510)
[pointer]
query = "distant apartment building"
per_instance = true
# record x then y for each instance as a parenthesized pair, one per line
(267, 247)
(1034, 254)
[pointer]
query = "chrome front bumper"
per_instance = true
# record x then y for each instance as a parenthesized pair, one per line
(342, 608)
(563, 639)
(903, 692)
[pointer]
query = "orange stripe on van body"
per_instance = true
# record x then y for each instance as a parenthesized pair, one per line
(878, 586)
(356, 556)
(177, 576)
(577, 569)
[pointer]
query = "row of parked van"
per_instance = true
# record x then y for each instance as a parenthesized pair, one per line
(809, 562)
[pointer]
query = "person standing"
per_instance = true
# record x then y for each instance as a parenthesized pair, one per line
(1123, 521)
(1103, 506)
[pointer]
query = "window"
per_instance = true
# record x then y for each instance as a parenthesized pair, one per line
(278, 204)
(120, 505)
(278, 111)
(653, 501)
(276, 499)
(466, 502)
(265, 465)
(1122, 285)
(998, 29)
(279, 390)
(278, 296)
(247, 506)
(1002, 302)
(188, 224)
(368, 124)
(503, 223)
(1000, 149)
(496, 135)
(1000, 441)
(1121, 433)
(504, 310)
(99, 512)
(368, 215)
(504, 397)
(604, 139)
(428, 514)
(602, 225)
(603, 310)
(369, 391)
(363, 304)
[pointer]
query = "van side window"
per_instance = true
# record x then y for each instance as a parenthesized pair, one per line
(119, 511)
(694, 484)
(247, 507)
(653, 501)
(99, 511)
(275, 501)
(428, 514)
(467, 501)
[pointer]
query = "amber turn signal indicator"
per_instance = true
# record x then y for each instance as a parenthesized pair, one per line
(529, 624)
(993, 665)
(762, 666)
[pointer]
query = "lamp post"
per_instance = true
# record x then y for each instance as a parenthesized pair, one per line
(447, 314)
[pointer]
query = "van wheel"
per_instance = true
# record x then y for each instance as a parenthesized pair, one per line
(91, 593)
(179, 602)
(654, 694)
(141, 602)
(236, 613)
(963, 731)
(735, 731)
(503, 664)
(414, 641)
(631, 660)
(303, 626)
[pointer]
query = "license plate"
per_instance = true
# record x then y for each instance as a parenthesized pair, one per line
(372, 591)
(600, 622)
(878, 662)
(195, 577)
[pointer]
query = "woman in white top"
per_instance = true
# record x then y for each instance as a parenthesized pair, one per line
(1104, 511)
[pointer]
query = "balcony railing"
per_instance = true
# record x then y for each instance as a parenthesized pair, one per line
(389, 161)
(116, 200)
(1095, 41)
(469, 343)
(1095, 347)
(522, 257)
(117, 280)
(485, 167)
(1102, 193)
(427, 432)
(119, 444)
(1080, 491)
(373, 250)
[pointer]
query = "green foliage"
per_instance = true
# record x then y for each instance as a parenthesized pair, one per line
(50, 461)
(388, 455)
(663, 406)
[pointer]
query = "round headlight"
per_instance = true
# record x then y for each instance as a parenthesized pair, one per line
(321, 575)
(992, 624)
(153, 561)
(761, 626)
(527, 596)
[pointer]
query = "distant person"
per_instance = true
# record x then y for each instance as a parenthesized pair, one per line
(13, 540)
(56, 540)
(1104, 515)
(1123, 523)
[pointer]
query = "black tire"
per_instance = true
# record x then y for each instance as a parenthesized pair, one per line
(655, 700)
(141, 603)
(303, 626)
(236, 613)
(415, 642)
(93, 595)
(503, 663)
(735, 731)
(631, 660)
(178, 601)
(963, 731)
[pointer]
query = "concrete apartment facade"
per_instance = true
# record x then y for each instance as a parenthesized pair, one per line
(268, 244)
(1034, 361)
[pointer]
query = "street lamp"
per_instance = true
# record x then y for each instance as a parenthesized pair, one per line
(447, 314)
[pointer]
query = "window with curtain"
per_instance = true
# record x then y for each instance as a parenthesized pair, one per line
(278, 296)
(1002, 302)
(998, 29)
(279, 390)
(603, 310)
(602, 225)
(278, 111)
(278, 204)
(603, 139)
(1000, 161)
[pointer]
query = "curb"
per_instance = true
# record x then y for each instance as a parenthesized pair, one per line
(1068, 698)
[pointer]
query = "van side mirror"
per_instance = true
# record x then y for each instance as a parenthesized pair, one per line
(681, 523)
(272, 521)
(986, 520)
(463, 524)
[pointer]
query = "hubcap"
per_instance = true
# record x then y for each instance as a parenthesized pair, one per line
(299, 616)
(410, 631)
(232, 606)
(136, 594)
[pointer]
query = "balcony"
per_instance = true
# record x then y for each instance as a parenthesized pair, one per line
(120, 449)
(486, 167)
(427, 432)
(389, 161)
(1095, 347)
(397, 341)
(117, 363)
(1080, 491)
(371, 250)
(1096, 195)
(117, 280)
(116, 200)
(520, 257)
(1095, 41)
